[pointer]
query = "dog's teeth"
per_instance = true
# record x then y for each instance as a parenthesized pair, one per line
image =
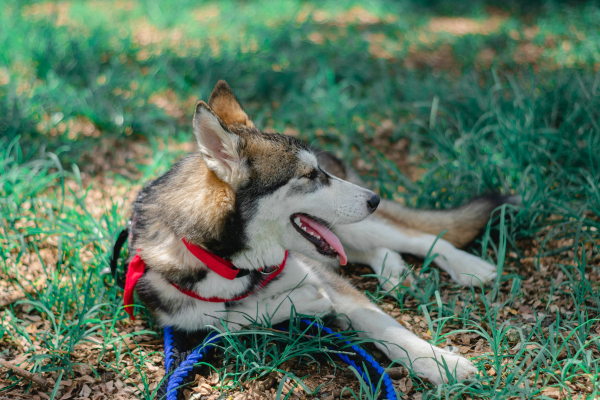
(318, 237)
(304, 228)
(297, 221)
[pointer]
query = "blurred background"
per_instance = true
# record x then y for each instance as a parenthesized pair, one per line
(402, 81)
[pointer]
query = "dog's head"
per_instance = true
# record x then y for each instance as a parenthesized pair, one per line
(283, 198)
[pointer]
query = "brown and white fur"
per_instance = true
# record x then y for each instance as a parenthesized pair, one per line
(239, 197)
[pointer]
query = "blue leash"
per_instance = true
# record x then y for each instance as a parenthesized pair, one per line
(387, 381)
(187, 365)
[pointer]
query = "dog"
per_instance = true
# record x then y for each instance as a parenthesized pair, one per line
(249, 226)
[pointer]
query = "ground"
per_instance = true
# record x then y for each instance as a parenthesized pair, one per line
(432, 102)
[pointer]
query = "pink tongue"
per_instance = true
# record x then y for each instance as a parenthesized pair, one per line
(327, 235)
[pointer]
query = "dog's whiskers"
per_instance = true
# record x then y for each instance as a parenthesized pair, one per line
(331, 225)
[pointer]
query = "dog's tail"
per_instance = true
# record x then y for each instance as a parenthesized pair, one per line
(463, 224)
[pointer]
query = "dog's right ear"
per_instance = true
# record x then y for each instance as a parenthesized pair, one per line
(218, 146)
(224, 103)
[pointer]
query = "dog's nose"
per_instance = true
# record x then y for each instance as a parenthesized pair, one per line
(373, 202)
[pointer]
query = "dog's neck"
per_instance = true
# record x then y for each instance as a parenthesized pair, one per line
(210, 220)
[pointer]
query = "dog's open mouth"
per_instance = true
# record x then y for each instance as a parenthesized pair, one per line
(326, 242)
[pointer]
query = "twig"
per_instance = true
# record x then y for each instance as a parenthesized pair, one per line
(24, 373)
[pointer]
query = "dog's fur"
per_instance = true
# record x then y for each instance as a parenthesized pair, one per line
(238, 196)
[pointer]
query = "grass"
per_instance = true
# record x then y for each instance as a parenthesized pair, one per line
(433, 103)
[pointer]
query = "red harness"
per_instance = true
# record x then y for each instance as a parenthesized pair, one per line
(224, 268)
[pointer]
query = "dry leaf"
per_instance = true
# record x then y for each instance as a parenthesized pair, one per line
(69, 393)
(85, 391)
(405, 385)
(239, 396)
(465, 338)
(203, 388)
(552, 392)
(480, 344)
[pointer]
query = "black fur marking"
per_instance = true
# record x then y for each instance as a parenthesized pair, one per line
(232, 238)
(151, 298)
(188, 279)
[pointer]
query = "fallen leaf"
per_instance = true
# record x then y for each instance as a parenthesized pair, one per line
(239, 396)
(479, 345)
(203, 388)
(85, 391)
(465, 338)
(552, 392)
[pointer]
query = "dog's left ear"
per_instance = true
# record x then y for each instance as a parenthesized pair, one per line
(220, 148)
(223, 102)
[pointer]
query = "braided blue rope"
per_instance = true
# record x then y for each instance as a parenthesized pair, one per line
(387, 381)
(186, 366)
(193, 358)
(168, 348)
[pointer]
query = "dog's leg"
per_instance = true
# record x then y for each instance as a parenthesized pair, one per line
(402, 345)
(273, 309)
(386, 263)
(373, 232)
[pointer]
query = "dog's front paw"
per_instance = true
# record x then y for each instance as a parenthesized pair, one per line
(433, 368)
(392, 270)
(393, 280)
(467, 269)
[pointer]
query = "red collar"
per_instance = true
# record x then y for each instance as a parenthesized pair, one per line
(222, 267)
(268, 278)
(225, 268)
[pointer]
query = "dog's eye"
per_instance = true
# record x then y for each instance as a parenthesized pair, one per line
(311, 175)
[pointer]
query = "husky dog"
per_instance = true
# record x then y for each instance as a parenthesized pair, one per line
(240, 230)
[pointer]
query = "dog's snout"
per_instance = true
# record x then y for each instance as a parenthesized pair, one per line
(373, 202)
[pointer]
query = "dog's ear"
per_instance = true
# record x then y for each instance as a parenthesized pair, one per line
(223, 102)
(220, 148)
